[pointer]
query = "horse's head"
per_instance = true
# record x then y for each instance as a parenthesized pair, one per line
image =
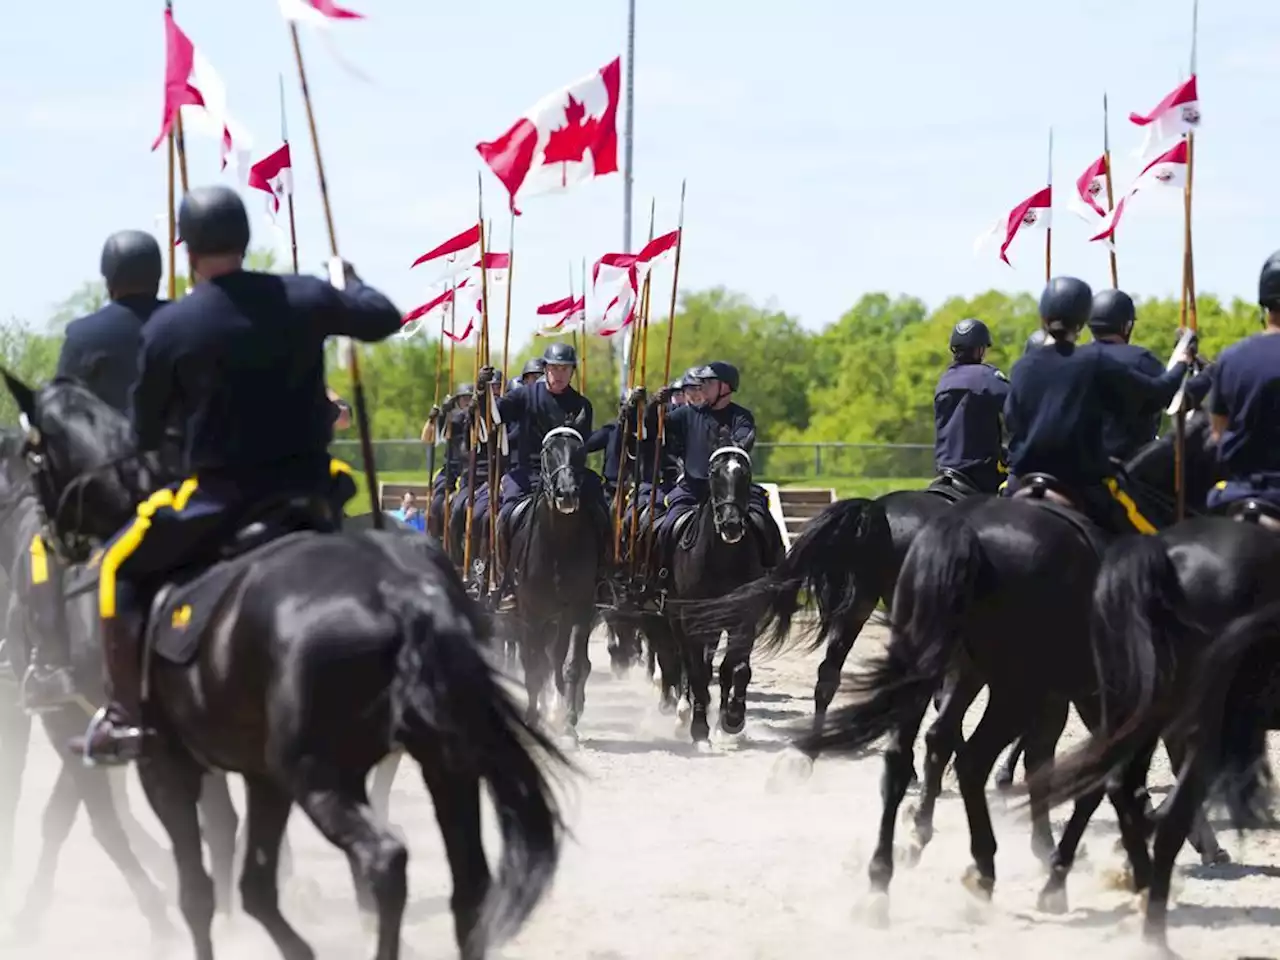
(81, 457)
(1153, 466)
(564, 457)
(729, 475)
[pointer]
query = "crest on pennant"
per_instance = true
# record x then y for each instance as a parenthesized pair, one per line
(1095, 187)
(1029, 218)
(1164, 176)
(1190, 114)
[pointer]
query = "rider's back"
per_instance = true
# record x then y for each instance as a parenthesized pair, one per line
(1246, 391)
(240, 362)
(101, 349)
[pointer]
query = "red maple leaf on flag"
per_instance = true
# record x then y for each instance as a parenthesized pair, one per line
(571, 142)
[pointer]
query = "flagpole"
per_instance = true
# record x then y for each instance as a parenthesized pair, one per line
(1111, 202)
(642, 353)
(293, 226)
(448, 423)
(666, 379)
(1048, 233)
(586, 343)
(1188, 312)
(173, 225)
(178, 139)
(337, 276)
(628, 169)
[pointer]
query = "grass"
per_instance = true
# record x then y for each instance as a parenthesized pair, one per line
(845, 487)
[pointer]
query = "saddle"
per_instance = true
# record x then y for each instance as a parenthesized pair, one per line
(1253, 510)
(181, 609)
(952, 485)
(1053, 495)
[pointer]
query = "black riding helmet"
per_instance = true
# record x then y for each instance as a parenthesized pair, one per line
(1037, 339)
(1113, 312)
(1269, 283)
(1065, 305)
(726, 373)
(131, 262)
(691, 378)
(562, 353)
(465, 390)
(537, 365)
(213, 221)
(970, 336)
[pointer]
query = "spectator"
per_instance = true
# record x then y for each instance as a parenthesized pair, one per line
(410, 514)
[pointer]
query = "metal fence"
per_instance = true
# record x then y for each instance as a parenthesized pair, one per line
(770, 461)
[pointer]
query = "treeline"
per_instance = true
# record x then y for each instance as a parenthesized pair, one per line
(867, 378)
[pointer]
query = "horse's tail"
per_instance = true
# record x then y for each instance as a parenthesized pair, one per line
(1227, 718)
(452, 714)
(1139, 621)
(941, 577)
(839, 561)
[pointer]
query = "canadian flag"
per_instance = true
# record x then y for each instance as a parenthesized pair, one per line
(273, 175)
(616, 280)
(316, 13)
(194, 88)
(567, 137)
(1175, 115)
(1090, 186)
(568, 311)
(454, 255)
(1167, 170)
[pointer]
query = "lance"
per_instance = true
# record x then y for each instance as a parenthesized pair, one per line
(293, 226)
(448, 423)
(1187, 315)
(173, 226)
(586, 344)
(178, 141)
(1048, 233)
(1111, 201)
(431, 431)
(337, 276)
(638, 472)
(498, 461)
(483, 396)
(666, 379)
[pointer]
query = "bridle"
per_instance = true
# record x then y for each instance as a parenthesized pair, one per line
(549, 475)
(723, 510)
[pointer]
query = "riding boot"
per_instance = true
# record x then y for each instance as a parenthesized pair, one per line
(115, 734)
(47, 687)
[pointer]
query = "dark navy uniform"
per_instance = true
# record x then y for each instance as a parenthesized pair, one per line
(1134, 424)
(239, 362)
(451, 426)
(537, 411)
(1057, 410)
(1246, 392)
(101, 351)
(968, 407)
(463, 499)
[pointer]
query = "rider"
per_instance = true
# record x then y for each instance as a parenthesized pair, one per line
(1057, 407)
(536, 410)
(101, 351)
(239, 362)
(464, 498)
(450, 422)
(1245, 405)
(1131, 426)
(698, 429)
(967, 407)
(533, 371)
(1037, 339)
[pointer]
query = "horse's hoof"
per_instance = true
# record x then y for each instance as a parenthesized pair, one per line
(1219, 858)
(981, 887)
(791, 767)
(874, 910)
(733, 719)
(699, 729)
(683, 709)
(1052, 900)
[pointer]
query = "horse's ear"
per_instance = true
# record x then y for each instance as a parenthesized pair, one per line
(23, 395)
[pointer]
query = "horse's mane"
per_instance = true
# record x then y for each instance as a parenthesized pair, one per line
(90, 422)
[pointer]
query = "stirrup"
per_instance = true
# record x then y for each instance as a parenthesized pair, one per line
(91, 731)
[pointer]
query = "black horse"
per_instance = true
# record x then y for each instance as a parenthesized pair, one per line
(316, 656)
(550, 542)
(713, 550)
(1170, 597)
(997, 592)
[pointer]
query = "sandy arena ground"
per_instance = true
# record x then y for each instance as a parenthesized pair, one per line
(677, 854)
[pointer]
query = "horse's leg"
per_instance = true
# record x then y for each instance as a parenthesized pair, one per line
(1009, 769)
(220, 824)
(1039, 744)
(735, 677)
(15, 735)
(664, 648)
(893, 787)
(172, 784)
(1202, 836)
(838, 649)
(940, 743)
(337, 804)
(698, 672)
(455, 793)
(154, 858)
(1004, 718)
(579, 662)
(55, 826)
(1185, 800)
(533, 656)
(384, 778)
(268, 816)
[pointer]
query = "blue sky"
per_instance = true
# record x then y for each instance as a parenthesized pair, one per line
(831, 148)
